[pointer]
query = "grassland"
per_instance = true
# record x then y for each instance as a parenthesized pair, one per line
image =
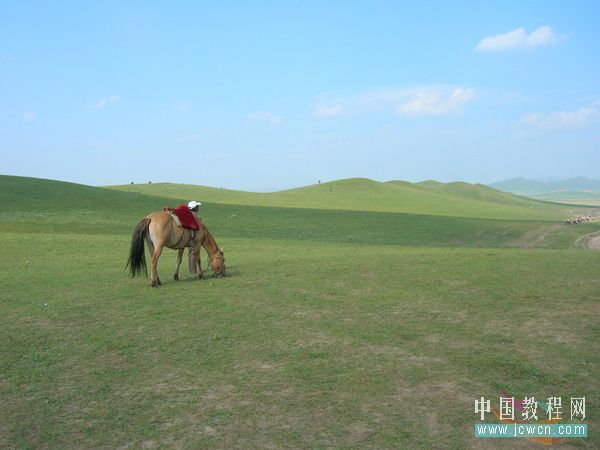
(361, 194)
(336, 328)
(579, 190)
(573, 198)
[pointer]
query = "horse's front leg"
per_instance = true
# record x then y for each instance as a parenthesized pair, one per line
(179, 257)
(154, 280)
(197, 257)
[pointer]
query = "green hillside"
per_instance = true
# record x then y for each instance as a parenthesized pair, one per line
(571, 197)
(35, 194)
(360, 194)
(478, 192)
(38, 205)
(57, 206)
(528, 187)
(328, 321)
(579, 190)
(521, 186)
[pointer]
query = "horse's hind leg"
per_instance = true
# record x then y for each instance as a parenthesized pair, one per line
(179, 257)
(154, 280)
(150, 245)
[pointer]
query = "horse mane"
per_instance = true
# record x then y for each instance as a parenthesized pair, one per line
(209, 243)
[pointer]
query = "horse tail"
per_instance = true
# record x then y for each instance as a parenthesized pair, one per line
(137, 256)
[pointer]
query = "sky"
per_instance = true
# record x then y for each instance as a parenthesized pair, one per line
(262, 96)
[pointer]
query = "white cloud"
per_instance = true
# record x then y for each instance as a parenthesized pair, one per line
(106, 101)
(519, 39)
(188, 139)
(183, 106)
(99, 145)
(220, 155)
(328, 111)
(435, 101)
(413, 102)
(29, 116)
(7, 58)
(263, 116)
(562, 119)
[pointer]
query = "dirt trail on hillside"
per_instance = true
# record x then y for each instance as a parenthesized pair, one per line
(594, 242)
(590, 241)
(534, 238)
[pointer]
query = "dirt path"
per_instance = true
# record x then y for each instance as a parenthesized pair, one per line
(590, 241)
(534, 238)
(594, 242)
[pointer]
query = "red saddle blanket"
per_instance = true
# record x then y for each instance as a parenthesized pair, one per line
(186, 217)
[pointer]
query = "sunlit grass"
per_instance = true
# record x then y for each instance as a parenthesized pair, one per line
(333, 329)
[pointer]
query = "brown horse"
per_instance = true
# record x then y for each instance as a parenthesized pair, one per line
(159, 230)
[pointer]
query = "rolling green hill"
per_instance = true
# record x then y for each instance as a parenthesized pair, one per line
(571, 197)
(36, 194)
(56, 206)
(360, 194)
(579, 190)
(526, 187)
(521, 186)
(333, 329)
(38, 205)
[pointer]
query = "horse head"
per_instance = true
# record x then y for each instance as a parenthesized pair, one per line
(217, 262)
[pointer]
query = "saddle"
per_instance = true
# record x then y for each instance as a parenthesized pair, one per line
(183, 217)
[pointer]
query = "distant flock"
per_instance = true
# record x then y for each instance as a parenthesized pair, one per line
(578, 219)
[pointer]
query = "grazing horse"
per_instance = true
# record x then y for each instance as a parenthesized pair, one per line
(159, 230)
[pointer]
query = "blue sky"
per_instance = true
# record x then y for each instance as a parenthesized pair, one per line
(269, 95)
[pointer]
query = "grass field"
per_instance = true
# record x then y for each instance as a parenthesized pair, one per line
(361, 194)
(574, 198)
(355, 315)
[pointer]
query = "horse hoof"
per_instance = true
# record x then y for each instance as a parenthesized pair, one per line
(176, 277)
(159, 282)
(154, 284)
(200, 276)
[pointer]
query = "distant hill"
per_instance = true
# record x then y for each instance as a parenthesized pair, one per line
(361, 194)
(579, 190)
(353, 210)
(25, 193)
(27, 197)
(526, 186)
(57, 206)
(455, 199)
(522, 186)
